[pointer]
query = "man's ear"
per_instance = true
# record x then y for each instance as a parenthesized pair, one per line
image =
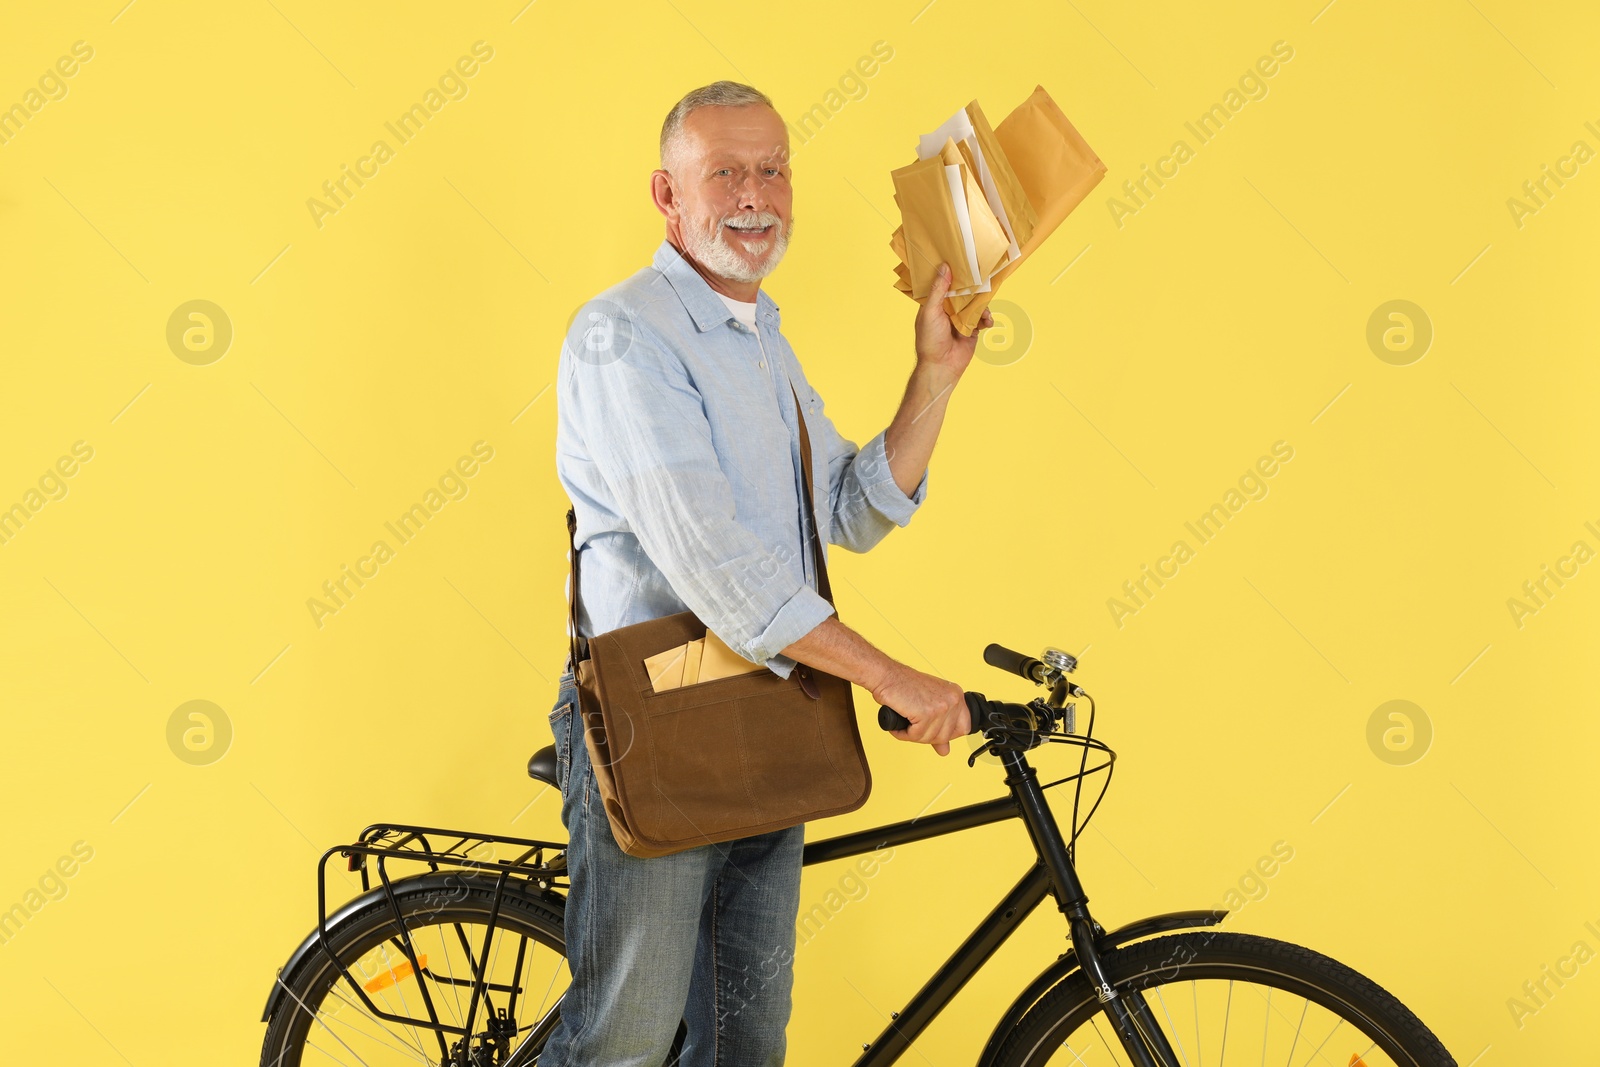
(664, 194)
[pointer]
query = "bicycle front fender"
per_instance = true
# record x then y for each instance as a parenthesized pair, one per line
(446, 884)
(1066, 964)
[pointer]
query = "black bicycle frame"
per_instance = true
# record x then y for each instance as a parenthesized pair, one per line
(1051, 874)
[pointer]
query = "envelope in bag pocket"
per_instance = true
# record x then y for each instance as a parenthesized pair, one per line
(666, 668)
(720, 661)
(704, 659)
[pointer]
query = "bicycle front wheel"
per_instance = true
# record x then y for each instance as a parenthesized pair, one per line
(1227, 998)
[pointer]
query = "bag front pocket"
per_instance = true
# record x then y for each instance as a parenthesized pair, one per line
(770, 758)
(758, 686)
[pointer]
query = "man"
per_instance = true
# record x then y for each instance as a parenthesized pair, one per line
(678, 445)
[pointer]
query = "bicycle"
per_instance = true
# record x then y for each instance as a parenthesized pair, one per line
(435, 937)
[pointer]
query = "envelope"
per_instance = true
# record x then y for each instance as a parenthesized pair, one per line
(1028, 174)
(1018, 214)
(665, 669)
(720, 661)
(951, 221)
(969, 130)
(932, 233)
(984, 239)
(704, 659)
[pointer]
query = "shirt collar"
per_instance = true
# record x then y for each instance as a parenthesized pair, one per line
(698, 296)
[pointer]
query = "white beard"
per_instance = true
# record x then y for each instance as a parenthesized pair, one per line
(715, 252)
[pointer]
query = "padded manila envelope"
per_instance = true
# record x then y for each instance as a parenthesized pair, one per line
(720, 661)
(691, 661)
(666, 668)
(1040, 169)
(704, 659)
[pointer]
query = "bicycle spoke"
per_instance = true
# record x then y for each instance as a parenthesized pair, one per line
(1318, 1050)
(480, 980)
(325, 1026)
(450, 969)
(1110, 1048)
(467, 962)
(1289, 1060)
(1077, 1058)
(1285, 1018)
(1227, 1014)
(1168, 1013)
(1266, 1024)
(516, 977)
(1240, 1021)
(1199, 1057)
(554, 974)
(325, 1052)
(470, 967)
(406, 1008)
(416, 1052)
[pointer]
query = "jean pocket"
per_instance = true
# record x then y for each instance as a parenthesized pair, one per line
(561, 728)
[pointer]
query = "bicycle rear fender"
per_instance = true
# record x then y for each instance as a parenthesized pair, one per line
(447, 883)
(1066, 964)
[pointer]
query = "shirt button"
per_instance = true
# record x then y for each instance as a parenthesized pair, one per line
(762, 364)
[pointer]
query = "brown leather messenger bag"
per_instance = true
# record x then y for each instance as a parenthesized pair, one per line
(714, 760)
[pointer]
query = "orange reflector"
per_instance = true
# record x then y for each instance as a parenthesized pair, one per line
(1356, 1061)
(395, 974)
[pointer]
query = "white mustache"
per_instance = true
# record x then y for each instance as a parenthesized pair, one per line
(752, 222)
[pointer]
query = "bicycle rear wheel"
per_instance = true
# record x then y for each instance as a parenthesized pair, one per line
(1223, 998)
(478, 996)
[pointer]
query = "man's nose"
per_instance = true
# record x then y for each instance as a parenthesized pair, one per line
(752, 193)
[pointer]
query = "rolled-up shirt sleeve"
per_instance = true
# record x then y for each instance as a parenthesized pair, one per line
(644, 423)
(865, 502)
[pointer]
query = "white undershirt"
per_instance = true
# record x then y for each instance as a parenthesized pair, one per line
(744, 312)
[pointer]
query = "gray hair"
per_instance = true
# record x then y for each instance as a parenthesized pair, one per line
(717, 94)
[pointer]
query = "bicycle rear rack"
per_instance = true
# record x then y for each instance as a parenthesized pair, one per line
(543, 863)
(454, 848)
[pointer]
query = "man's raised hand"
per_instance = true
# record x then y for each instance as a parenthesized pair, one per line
(938, 342)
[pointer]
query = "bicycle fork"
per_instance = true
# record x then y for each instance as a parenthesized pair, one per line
(1128, 1011)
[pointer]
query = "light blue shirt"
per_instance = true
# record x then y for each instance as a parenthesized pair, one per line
(678, 446)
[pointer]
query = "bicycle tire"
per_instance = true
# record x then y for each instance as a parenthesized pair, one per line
(1071, 1005)
(365, 930)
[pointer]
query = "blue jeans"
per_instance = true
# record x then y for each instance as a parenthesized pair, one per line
(706, 935)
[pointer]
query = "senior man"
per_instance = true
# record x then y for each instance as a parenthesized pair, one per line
(678, 445)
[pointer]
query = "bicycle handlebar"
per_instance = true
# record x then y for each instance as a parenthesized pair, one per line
(984, 713)
(889, 719)
(1015, 662)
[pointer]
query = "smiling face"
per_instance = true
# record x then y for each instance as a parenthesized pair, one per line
(727, 197)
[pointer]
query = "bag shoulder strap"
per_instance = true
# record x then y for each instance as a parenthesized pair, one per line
(578, 646)
(811, 511)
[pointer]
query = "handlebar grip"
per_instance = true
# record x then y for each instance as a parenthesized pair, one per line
(889, 719)
(1015, 662)
(977, 711)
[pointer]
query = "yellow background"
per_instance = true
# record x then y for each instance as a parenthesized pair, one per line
(368, 354)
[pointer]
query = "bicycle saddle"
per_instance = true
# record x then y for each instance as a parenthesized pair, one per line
(542, 765)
